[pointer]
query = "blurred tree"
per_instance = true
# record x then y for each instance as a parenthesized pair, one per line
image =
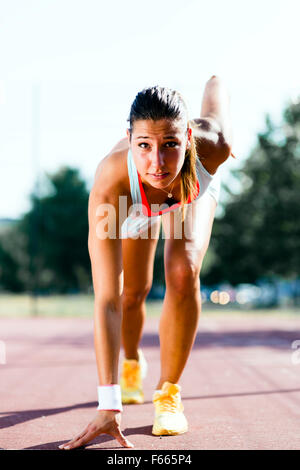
(56, 234)
(10, 279)
(259, 233)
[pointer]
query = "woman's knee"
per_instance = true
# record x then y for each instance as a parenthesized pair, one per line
(182, 277)
(133, 297)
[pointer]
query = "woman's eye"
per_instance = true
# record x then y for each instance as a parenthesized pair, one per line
(173, 144)
(144, 145)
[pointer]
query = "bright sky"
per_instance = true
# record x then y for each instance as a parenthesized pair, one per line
(71, 68)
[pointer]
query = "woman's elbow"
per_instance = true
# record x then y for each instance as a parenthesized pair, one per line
(225, 143)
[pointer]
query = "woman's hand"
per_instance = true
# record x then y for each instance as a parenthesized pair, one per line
(105, 422)
(211, 146)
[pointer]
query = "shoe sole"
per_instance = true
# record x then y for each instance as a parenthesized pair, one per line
(132, 401)
(167, 432)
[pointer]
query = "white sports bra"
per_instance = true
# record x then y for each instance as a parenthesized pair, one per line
(141, 216)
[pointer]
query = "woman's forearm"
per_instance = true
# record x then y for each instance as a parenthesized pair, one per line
(105, 250)
(107, 340)
(215, 103)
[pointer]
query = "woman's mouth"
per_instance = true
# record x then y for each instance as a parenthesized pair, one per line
(158, 176)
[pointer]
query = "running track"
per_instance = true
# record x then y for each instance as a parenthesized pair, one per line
(240, 388)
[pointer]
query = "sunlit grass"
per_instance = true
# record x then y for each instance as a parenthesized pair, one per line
(83, 306)
(55, 306)
(47, 306)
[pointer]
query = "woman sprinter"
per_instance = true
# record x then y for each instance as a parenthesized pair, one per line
(164, 170)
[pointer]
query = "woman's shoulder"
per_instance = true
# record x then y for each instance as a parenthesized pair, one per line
(111, 174)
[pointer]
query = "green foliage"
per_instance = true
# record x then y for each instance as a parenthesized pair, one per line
(56, 234)
(9, 268)
(259, 233)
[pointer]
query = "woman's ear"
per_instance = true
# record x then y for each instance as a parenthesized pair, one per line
(128, 135)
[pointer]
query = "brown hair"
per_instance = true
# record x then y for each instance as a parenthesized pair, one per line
(164, 103)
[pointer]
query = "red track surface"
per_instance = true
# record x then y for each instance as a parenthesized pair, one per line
(240, 388)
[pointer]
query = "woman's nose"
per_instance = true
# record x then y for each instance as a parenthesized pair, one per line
(157, 158)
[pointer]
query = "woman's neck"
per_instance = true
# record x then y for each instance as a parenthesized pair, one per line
(162, 195)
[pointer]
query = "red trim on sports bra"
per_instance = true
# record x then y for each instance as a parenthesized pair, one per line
(146, 208)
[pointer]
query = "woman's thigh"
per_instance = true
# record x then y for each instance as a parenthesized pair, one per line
(186, 242)
(138, 260)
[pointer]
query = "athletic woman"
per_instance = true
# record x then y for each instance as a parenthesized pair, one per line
(165, 169)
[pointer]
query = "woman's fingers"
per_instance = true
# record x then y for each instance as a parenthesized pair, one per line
(79, 441)
(74, 440)
(100, 425)
(122, 439)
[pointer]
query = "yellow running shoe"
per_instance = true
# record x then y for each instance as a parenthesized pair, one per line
(169, 419)
(133, 372)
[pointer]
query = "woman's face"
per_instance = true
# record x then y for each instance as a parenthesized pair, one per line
(158, 147)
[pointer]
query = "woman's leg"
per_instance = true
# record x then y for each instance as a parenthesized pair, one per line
(138, 259)
(182, 303)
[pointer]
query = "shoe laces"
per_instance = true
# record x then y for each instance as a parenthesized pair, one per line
(168, 401)
(131, 374)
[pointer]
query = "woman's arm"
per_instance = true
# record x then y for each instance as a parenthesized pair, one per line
(215, 106)
(105, 249)
(213, 131)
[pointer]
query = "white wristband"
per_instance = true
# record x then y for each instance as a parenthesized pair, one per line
(109, 397)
